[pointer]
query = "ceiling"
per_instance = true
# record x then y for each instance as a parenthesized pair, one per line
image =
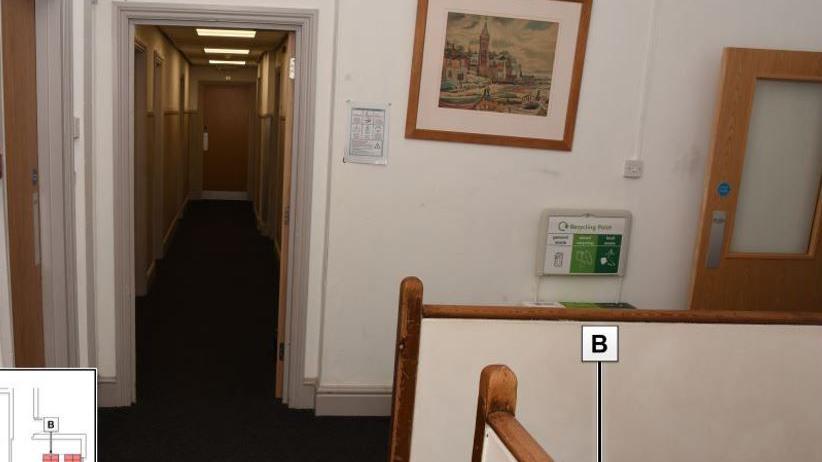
(191, 44)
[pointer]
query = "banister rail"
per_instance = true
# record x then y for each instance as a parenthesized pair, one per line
(496, 408)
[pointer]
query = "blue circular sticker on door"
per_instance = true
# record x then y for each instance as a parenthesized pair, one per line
(723, 189)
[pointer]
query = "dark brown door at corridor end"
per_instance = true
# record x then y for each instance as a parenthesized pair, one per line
(20, 120)
(226, 117)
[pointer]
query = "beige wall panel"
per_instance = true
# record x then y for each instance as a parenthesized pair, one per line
(152, 170)
(185, 136)
(173, 169)
(172, 175)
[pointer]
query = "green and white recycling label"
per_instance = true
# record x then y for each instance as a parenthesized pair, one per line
(584, 245)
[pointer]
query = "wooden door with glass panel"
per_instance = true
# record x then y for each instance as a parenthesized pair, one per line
(759, 243)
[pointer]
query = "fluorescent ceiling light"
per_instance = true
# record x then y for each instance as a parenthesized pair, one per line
(226, 51)
(222, 61)
(227, 33)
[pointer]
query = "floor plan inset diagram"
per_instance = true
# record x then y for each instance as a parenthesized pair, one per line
(48, 415)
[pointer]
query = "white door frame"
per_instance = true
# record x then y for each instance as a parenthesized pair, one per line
(55, 152)
(303, 22)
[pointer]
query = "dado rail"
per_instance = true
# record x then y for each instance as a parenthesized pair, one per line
(733, 386)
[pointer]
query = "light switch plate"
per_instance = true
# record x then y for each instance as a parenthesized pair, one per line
(633, 168)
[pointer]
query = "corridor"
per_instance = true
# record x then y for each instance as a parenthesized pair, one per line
(205, 359)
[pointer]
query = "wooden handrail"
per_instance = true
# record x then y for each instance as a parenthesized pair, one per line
(526, 313)
(517, 439)
(496, 407)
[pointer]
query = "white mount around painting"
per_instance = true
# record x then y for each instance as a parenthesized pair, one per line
(433, 117)
(367, 141)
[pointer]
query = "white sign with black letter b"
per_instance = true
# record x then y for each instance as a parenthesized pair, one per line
(600, 344)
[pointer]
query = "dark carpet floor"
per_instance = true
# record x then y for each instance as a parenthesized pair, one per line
(205, 360)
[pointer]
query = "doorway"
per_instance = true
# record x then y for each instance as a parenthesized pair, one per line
(303, 25)
(227, 109)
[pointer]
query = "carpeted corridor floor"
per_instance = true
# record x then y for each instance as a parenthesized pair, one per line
(205, 360)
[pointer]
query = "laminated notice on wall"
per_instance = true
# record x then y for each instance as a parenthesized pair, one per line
(367, 134)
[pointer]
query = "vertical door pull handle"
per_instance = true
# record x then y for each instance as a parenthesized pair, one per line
(35, 219)
(718, 219)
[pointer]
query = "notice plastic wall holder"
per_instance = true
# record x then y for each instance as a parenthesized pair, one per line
(575, 242)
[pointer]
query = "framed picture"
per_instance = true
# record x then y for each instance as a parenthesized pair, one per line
(505, 73)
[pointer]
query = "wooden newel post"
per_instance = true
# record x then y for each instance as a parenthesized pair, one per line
(497, 393)
(405, 369)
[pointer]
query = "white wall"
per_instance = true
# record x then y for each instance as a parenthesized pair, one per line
(6, 339)
(681, 93)
(464, 217)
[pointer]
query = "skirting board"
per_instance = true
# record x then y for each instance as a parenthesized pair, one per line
(108, 393)
(363, 403)
(261, 226)
(224, 195)
(173, 229)
(150, 272)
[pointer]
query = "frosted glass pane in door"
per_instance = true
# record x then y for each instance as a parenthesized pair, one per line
(779, 190)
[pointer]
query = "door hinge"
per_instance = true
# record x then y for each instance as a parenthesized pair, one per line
(287, 215)
(1, 165)
(281, 351)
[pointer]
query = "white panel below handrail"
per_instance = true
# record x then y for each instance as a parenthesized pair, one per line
(494, 449)
(680, 392)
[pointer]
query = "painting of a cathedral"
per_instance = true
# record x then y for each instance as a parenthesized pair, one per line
(498, 64)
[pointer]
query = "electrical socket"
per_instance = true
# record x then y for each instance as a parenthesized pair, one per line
(633, 168)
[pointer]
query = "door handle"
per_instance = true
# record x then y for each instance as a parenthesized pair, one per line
(35, 220)
(717, 236)
(35, 214)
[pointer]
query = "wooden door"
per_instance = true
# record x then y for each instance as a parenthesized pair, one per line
(285, 145)
(226, 118)
(20, 106)
(275, 161)
(142, 216)
(155, 164)
(759, 242)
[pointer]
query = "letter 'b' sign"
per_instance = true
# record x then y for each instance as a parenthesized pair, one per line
(600, 343)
